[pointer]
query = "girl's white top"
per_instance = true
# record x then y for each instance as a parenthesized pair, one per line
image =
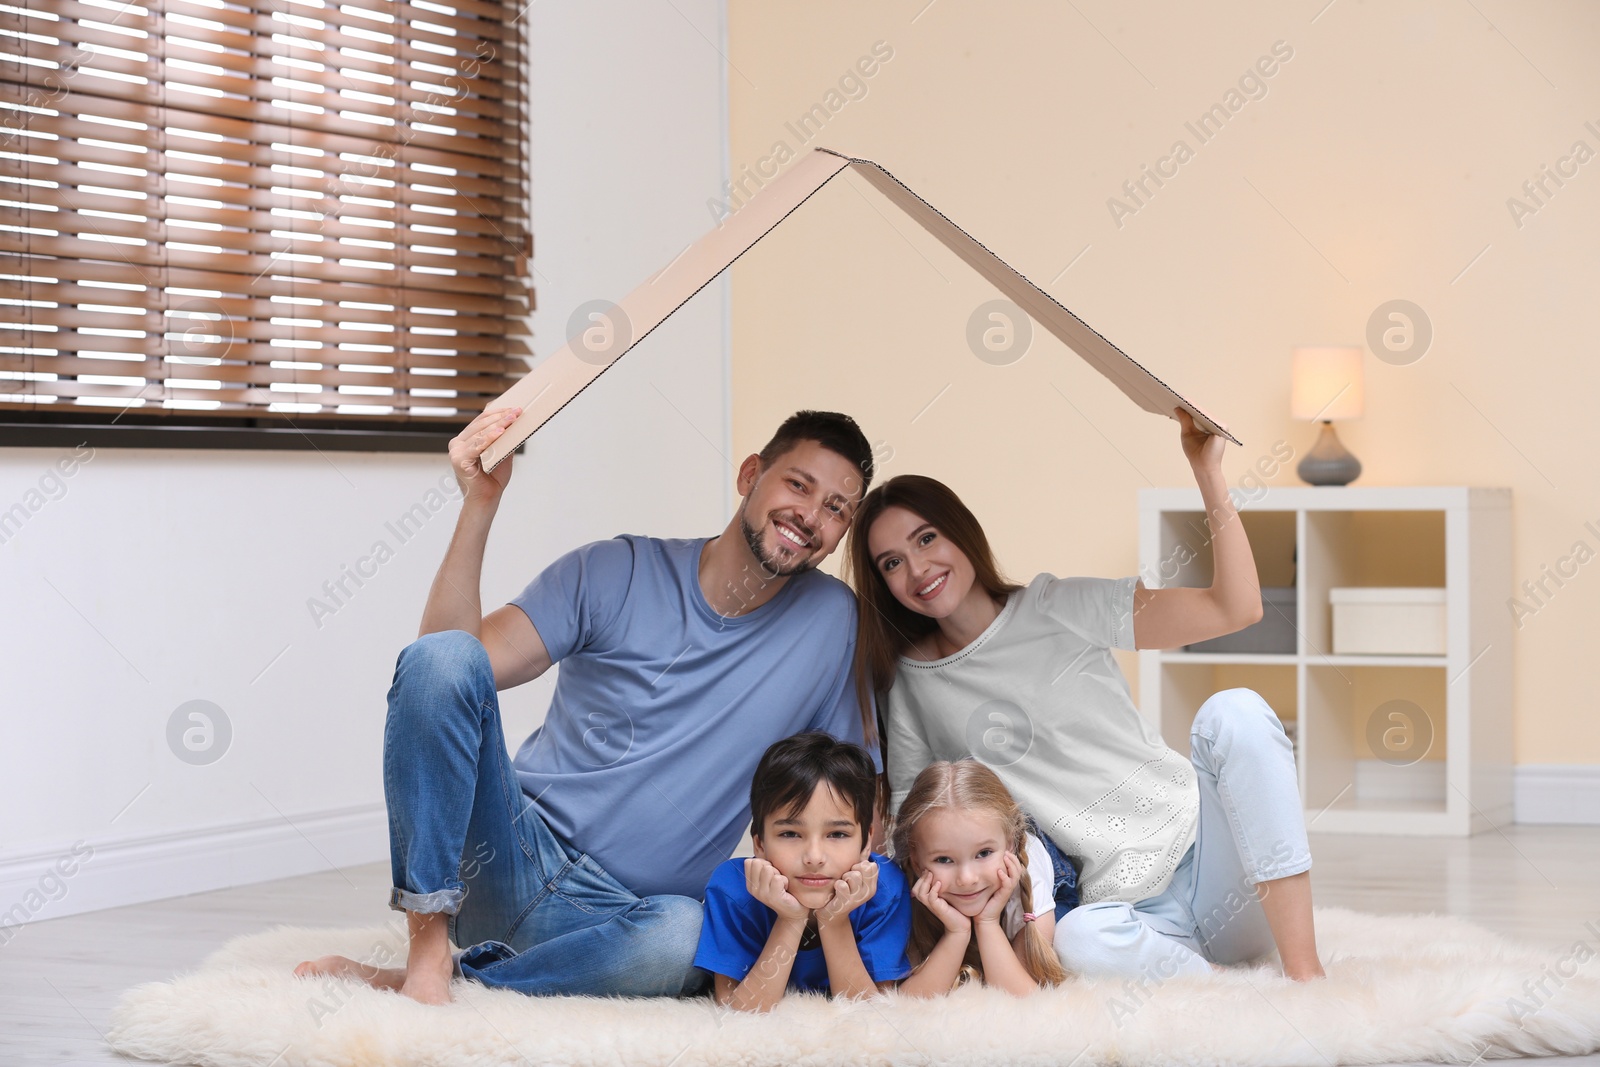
(1040, 699)
(1041, 879)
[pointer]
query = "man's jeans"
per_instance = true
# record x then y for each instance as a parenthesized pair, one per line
(536, 915)
(1251, 829)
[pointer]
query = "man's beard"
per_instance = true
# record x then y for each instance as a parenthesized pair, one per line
(769, 564)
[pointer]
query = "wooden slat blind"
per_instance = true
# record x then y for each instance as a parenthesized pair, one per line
(294, 208)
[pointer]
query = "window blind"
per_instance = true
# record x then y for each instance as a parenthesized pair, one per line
(285, 209)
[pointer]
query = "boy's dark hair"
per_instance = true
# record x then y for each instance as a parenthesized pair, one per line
(833, 431)
(791, 769)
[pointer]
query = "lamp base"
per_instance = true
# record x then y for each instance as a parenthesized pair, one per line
(1329, 462)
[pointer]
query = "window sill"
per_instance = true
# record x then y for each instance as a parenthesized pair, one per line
(240, 433)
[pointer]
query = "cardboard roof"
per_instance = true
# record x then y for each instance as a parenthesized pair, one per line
(551, 384)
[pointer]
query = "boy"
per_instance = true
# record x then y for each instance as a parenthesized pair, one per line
(815, 908)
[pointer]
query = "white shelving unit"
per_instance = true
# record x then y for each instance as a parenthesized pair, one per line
(1452, 773)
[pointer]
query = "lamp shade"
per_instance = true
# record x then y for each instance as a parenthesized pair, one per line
(1327, 382)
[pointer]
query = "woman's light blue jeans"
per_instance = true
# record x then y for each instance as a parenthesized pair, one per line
(1251, 829)
(535, 914)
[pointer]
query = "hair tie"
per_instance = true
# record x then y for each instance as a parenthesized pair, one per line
(1028, 916)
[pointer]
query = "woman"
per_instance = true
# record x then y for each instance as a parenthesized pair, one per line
(1184, 863)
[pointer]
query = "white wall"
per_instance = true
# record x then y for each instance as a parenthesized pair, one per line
(160, 577)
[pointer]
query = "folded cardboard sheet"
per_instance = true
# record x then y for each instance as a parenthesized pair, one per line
(551, 384)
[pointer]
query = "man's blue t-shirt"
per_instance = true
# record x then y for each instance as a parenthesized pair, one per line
(662, 708)
(736, 927)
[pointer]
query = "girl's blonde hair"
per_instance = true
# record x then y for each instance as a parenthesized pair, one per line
(968, 786)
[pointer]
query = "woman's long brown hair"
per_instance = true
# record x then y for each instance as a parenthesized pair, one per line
(886, 627)
(970, 787)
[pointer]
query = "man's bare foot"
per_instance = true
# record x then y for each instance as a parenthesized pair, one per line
(391, 978)
(428, 963)
(427, 985)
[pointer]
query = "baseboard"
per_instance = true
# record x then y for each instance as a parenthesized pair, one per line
(1563, 793)
(1558, 793)
(89, 875)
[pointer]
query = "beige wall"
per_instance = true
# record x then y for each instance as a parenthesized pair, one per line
(1377, 165)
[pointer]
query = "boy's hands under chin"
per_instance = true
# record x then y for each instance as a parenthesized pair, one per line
(851, 891)
(1010, 875)
(764, 882)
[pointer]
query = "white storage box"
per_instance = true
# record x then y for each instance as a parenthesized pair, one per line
(1388, 622)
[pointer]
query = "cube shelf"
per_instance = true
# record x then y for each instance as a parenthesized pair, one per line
(1390, 744)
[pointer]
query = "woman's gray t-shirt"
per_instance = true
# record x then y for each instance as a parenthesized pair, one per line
(1039, 698)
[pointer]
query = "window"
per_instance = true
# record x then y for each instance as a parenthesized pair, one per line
(306, 215)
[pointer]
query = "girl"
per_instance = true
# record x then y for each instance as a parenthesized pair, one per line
(982, 905)
(1183, 862)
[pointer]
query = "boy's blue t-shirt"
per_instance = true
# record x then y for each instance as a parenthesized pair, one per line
(662, 708)
(736, 927)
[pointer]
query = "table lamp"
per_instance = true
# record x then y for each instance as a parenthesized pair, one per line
(1327, 386)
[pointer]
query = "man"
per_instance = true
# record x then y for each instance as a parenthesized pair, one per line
(577, 867)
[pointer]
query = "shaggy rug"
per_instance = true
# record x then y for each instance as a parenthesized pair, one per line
(1417, 987)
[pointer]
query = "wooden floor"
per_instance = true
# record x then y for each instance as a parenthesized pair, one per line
(59, 979)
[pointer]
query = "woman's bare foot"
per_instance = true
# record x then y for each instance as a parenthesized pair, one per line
(1287, 904)
(391, 978)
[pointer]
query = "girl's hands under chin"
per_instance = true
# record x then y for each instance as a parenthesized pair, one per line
(1010, 875)
(929, 893)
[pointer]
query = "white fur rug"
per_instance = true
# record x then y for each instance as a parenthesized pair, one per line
(1398, 988)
